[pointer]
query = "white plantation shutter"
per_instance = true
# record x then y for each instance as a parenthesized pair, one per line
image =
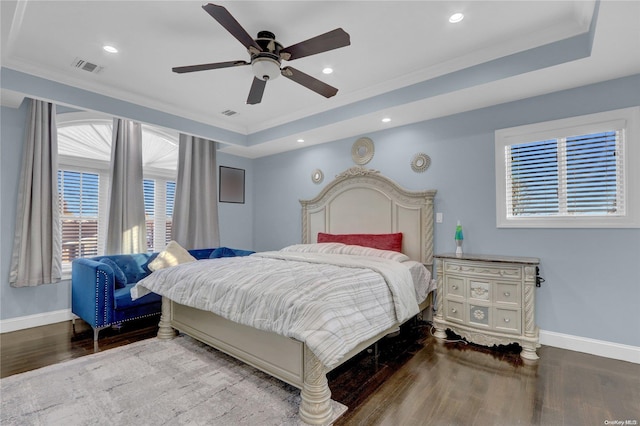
(577, 175)
(148, 186)
(532, 178)
(170, 197)
(594, 170)
(79, 211)
(158, 206)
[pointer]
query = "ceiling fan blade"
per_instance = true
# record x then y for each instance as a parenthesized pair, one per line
(204, 67)
(225, 19)
(309, 82)
(257, 89)
(322, 43)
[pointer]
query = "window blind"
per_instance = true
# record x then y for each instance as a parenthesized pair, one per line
(79, 206)
(576, 175)
(149, 210)
(171, 195)
(593, 174)
(532, 183)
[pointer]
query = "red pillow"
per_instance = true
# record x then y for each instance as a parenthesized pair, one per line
(377, 241)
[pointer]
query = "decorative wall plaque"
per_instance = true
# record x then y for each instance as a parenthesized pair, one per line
(362, 151)
(420, 162)
(317, 176)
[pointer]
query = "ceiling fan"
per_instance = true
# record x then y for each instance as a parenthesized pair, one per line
(267, 55)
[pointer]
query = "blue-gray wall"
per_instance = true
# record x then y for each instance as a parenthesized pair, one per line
(592, 276)
(593, 279)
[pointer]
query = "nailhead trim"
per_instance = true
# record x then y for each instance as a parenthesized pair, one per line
(98, 272)
(128, 319)
(106, 304)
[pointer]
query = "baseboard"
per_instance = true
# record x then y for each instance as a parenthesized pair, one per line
(37, 320)
(591, 346)
(549, 338)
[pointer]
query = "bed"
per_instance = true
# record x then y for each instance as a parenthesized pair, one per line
(358, 201)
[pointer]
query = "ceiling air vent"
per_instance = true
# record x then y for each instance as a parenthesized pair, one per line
(228, 112)
(86, 66)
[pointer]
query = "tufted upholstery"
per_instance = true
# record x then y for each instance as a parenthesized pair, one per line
(95, 298)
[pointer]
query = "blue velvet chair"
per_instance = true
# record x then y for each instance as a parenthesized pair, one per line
(100, 286)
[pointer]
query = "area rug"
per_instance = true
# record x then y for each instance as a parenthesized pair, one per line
(151, 382)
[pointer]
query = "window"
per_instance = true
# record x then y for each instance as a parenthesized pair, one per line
(158, 207)
(575, 172)
(84, 148)
(79, 194)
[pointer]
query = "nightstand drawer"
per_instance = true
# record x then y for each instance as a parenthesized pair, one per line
(508, 293)
(477, 269)
(507, 320)
(480, 315)
(479, 290)
(454, 311)
(454, 286)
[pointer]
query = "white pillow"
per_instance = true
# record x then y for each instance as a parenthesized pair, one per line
(174, 254)
(314, 248)
(368, 251)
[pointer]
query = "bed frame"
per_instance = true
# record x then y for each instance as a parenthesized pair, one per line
(359, 200)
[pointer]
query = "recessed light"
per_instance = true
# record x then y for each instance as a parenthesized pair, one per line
(386, 120)
(456, 17)
(327, 70)
(110, 49)
(300, 140)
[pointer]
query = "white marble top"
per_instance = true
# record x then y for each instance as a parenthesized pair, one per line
(489, 258)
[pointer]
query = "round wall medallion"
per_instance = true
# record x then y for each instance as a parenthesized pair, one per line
(420, 162)
(362, 151)
(317, 176)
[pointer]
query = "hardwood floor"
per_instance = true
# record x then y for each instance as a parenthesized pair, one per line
(37, 347)
(413, 380)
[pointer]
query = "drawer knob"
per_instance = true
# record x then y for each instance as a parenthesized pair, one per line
(507, 320)
(455, 287)
(507, 294)
(454, 310)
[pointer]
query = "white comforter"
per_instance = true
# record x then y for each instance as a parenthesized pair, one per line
(331, 302)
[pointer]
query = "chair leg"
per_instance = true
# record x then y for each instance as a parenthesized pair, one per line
(96, 331)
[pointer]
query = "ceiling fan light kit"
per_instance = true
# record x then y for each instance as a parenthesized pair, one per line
(267, 54)
(265, 68)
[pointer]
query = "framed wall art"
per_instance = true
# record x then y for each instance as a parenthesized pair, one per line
(231, 185)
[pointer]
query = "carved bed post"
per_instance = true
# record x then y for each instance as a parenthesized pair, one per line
(165, 331)
(530, 341)
(440, 331)
(315, 407)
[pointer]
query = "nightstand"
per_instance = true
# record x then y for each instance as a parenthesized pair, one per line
(488, 300)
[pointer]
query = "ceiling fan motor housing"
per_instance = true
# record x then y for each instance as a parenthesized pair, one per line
(266, 64)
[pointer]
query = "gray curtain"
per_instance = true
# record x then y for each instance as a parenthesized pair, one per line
(126, 229)
(37, 249)
(195, 212)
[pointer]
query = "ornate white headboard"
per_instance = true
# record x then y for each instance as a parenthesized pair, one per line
(360, 201)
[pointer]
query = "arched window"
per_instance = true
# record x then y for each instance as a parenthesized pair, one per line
(84, 150)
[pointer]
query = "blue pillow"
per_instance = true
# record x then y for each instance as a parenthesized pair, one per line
(118, 274)
(222, 252)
